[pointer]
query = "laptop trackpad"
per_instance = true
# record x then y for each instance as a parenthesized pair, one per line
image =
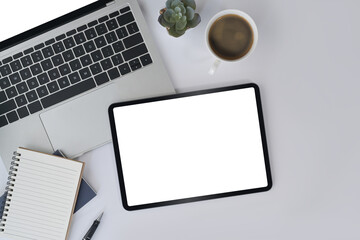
(80, 125)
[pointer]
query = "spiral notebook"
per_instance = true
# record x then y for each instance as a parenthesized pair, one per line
(41, 196)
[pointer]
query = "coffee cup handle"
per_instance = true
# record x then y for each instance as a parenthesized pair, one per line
(214, 67)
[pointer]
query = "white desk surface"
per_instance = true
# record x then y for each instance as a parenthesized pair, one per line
(307, 64)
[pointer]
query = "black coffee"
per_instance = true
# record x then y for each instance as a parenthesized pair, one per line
(231, 37)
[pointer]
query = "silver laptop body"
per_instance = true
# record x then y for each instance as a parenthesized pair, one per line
(80, 124)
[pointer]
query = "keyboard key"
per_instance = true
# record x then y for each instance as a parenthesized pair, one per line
(58, 47)
(117, 59)
(125, 9)
(26, 61)
(7, 60)
(135, 52)
(3, 121)
(107, 51)
(25, 74)
(60, 37)
(79, 51)
(31, 96)
(68, 93)
(12, 116)
(4, 83)
(96, 56)
(21, 100)
(5, 70)
(90, 33)
(68, 55)
(47, 64)
(89, 46)
(75, 65)
(54, 74)
(39, 46)
(85, 73)
(101, 78)
(43, 78)
(49, 42)
(18, 55)
(28, 51)
(101, 29)
(2, 97)
(53, 86)
(37, 56)
(114, 14)
(15, 78)
(112, 24)
(22, 112)
(42, 91)
(113, 73)
(15, 66)
(135, 64)
(106, 64)
(35, 107)
(22, 87)
(122, 32)
(103, 19)
(80, 38)
(85, 60)
(48, 52)
(111, 37)
(64, 69)
(57, 60)
(82, 28)
(132, 28)
(74, 78)
(124, 69)
(125, 18)
(118, 46)
(100, 42)
(133, 40)
(7, 106)
(69, 42)
(70, 33)
(36, 69)
(32, 83)
(95, 68)
(63, 82)
(11, 92)
(93, 23)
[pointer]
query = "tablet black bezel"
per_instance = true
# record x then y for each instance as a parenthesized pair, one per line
(31, 33)
(198, 198)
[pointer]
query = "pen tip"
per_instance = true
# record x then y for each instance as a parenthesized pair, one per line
(99, 218)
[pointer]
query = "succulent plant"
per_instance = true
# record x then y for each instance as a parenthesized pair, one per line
(178, 16)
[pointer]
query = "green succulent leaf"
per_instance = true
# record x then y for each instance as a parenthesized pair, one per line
(175, 3)
(190, 3)
(177, 9)
(168, 3)
(165, 23)
(195, 21)
(183, 9)
(168, 14)
(190, 13)
(180, 25)
(172, 31)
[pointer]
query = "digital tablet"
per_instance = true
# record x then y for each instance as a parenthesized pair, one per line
(191, 146)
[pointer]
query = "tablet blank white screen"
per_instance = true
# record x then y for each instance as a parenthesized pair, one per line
(190, 147)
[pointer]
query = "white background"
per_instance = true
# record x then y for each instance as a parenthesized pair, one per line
(21, 15)
(307, 66)
(190, 147)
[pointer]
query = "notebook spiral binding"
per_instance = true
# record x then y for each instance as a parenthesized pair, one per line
(9, 188)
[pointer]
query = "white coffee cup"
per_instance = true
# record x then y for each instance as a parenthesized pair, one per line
(211, 22)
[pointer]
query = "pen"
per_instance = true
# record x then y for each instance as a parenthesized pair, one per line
(93, 228)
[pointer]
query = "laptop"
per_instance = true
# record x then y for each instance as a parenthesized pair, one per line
(62, 63)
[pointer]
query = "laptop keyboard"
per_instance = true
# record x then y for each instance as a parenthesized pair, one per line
(70, 64)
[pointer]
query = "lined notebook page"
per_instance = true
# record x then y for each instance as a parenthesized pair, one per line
(43, 197)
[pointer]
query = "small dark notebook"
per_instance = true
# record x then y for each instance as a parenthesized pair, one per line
(86, 193)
